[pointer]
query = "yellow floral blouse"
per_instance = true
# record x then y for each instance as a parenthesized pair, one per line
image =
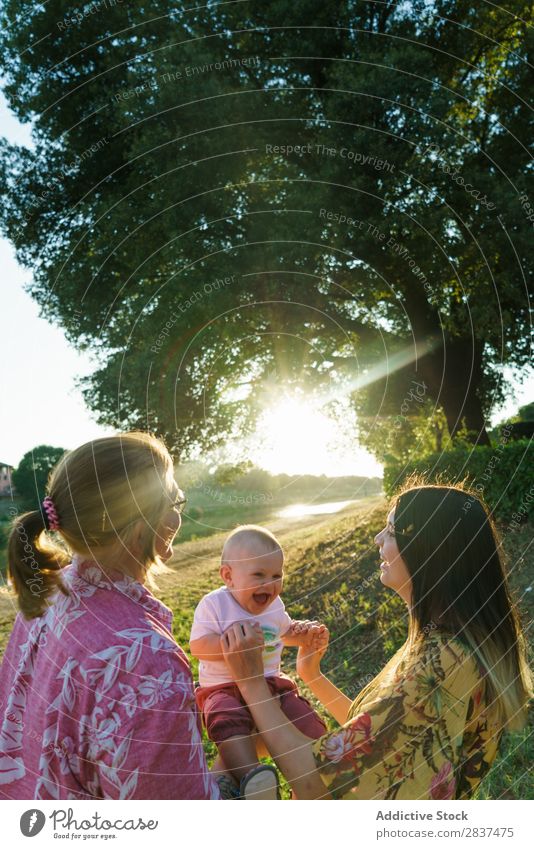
(421, 730)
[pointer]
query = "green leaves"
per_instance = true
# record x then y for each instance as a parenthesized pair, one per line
(501, 474)
(153, 176)
(31, 475)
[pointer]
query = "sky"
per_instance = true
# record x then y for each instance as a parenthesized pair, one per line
(42, 405)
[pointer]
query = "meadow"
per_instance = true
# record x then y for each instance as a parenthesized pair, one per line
(332, 575)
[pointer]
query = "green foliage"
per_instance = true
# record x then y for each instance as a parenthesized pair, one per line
(207, 270)
(415, 429)
(4, 535)
(31, 475)
(227, 473)
(501, 474)
(526, 413)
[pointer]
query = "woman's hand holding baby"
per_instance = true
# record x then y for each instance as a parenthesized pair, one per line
(242, 646)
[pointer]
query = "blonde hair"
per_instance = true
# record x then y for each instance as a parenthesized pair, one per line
(101, 491)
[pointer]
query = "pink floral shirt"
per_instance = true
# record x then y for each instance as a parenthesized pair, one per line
(97, 698)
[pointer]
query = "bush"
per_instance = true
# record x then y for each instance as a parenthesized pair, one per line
(5, 525)
(501, 475)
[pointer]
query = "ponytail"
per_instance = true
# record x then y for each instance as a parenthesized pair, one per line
(34, 564)
(99, 496)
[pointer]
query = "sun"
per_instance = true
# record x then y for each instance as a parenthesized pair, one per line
(296, 438)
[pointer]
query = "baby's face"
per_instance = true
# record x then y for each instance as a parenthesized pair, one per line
(255, 582)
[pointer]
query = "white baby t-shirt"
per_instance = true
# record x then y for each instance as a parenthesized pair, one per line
(217, 611)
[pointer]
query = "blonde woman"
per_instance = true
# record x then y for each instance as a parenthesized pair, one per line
(97, 698)
(428, 726)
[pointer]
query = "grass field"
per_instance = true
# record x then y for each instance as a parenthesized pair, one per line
(332, 575)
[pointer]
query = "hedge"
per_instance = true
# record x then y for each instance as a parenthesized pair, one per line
(502, 475)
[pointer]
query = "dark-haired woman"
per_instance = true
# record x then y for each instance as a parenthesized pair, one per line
(428, 726)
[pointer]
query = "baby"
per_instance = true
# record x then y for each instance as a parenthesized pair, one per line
(252, 568)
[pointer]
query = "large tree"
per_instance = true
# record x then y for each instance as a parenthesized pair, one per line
(172, 230)
(31, 475)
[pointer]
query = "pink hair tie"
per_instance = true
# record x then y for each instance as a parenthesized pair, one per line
(51, 514)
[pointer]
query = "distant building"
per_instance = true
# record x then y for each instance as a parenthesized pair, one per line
(5, 480)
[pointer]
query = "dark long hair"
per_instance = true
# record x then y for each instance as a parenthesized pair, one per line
(452, 551)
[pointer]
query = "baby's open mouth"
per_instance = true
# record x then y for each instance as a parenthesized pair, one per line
(261, 598)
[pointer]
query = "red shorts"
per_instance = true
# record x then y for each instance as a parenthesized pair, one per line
(226, 714)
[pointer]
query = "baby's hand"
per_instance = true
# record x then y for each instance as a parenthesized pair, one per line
(301, 626)
(303, 633)
(318, 638)
(311, 652)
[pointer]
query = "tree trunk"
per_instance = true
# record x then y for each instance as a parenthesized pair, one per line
(453, 371)
(451, 366)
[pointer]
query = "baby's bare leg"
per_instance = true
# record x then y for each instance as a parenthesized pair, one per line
(239, 755)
